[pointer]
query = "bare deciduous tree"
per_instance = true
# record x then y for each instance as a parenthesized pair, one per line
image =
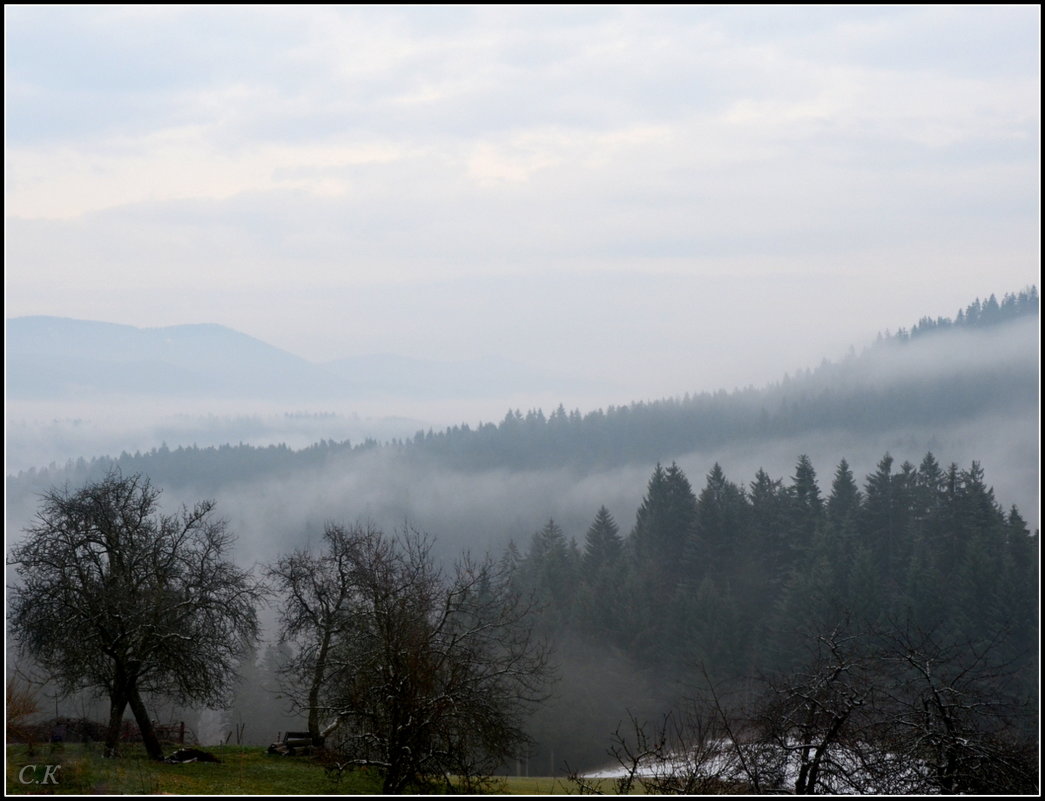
(894, 711)
(689, 753)
(428, 674)
(317, 591)
(812, 713)
(951, 712)
(117, 597)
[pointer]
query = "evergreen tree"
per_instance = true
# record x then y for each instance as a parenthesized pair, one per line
(804, 488)
(602, 543)
(600, 600)
(981, 537)
(907, 522)
(511, 559)
(807, 507)
(662, 526)
(878, 517)
(550, 571)
(923, 493)
(768, 543)
(844, 504)
(979, 509)
(930, 486)
(1023, 549)
(717, 564)
(720, 528)
(990, 314)
(1020, 583)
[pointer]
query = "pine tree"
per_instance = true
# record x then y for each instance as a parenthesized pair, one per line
(978, 507)
(720, 528)
(662, 526)
(768, 543)
(511, 559)
(878, 517)
(602, 543)
(600, 600)
(981, 536)
(805, 489)
(844, 504)
(807, 507)
(906, 521)
(1019, 584)
(550, 571)
(990, 314)
(930, 485)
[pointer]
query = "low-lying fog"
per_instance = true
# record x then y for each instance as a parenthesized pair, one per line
(482, 510)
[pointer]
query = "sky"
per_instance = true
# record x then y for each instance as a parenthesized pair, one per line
(671, 198)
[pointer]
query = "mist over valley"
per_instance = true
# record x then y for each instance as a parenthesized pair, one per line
(278, 469)
(533, 481)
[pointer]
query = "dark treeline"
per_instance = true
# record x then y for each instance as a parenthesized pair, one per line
(196, 467)
(734, 580)
(850, 394)
(979, 314)
(863, 393)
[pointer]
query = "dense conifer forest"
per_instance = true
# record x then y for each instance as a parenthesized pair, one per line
(729, 582)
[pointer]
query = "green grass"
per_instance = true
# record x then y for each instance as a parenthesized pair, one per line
(535, 785)
(243, 771)
(546, 785)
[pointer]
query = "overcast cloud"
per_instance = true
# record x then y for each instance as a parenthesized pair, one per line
(684, 198)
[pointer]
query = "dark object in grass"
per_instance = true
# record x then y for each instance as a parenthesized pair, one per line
(294, 743)
(183, 755)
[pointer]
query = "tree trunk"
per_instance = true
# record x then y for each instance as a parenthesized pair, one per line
(141, 715)
(117, 706)
(313, 691)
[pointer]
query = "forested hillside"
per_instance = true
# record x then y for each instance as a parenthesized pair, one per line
(965, 388)
(982, 362)
(695, 542)
(729, 583)
(942, 370)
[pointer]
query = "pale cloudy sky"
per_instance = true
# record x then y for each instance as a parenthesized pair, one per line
(685, 197)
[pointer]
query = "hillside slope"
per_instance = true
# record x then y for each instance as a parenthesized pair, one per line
(964, 392)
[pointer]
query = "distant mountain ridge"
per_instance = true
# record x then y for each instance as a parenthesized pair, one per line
(945, 374)
(56, 358)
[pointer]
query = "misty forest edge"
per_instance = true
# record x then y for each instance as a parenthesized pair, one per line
(736, 588)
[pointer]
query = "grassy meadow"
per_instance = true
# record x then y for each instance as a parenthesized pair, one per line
(243, 771)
